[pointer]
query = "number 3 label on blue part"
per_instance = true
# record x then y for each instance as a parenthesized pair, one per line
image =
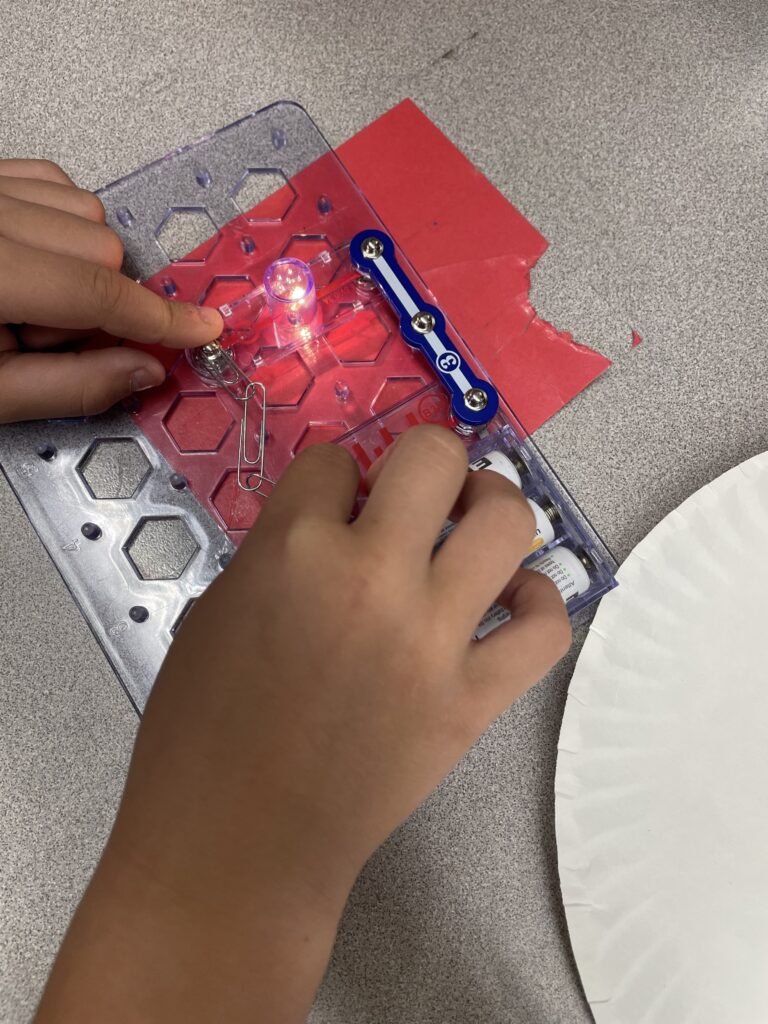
(474, 402)
(448, 362)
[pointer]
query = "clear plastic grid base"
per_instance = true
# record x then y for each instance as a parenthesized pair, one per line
(140, 511)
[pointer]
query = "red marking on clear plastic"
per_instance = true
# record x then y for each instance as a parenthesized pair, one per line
(360, 455)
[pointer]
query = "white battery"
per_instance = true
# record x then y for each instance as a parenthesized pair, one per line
(498, 462)
(566, 570)
(495, 616)
(546, 516)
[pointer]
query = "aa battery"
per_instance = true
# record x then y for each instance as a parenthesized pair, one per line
(510, 465)
(570, 571)
(547, 516)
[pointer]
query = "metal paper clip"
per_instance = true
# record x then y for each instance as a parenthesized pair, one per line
(255, 479)
(215, 363)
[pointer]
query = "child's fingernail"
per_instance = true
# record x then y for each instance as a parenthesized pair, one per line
(144, 378)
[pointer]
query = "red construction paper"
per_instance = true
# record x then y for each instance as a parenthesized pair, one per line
(475, 251)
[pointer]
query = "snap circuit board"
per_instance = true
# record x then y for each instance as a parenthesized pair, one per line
(330, 335)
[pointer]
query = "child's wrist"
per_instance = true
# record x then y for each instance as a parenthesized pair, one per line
(284, 877)
(194, 944)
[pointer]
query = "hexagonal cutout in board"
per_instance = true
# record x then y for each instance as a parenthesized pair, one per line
(263, 193)
(160, 548)
(187, 234)
(238, 509)
(198, 422)
(114, 468)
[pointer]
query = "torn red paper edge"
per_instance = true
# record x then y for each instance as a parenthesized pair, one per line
(475, 251)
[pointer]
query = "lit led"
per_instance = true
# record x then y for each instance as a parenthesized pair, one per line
(292, 300)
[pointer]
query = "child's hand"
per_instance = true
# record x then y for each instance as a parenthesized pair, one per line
(59, 281)
(336, 659)
(317, 692)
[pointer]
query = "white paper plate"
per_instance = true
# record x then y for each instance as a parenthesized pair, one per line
(662, 774)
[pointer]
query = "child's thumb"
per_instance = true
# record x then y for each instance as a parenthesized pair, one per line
(37, 385)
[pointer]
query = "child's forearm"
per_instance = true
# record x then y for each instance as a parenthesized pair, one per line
(318, 691)
(141, 950)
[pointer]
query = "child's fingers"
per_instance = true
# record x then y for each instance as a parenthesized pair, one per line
(33, 337)
(485, 548)
(40, 385)
(59, 231)
(54, 194)
(536, 637)
(372, 473)
(320, 484)
(44, 170)
(8, 341)
(61, 291)
(414, 490)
